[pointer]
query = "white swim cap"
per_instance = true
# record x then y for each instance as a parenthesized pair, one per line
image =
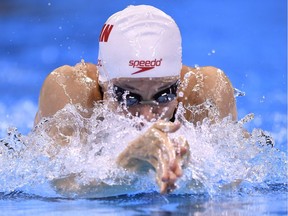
(139, 41)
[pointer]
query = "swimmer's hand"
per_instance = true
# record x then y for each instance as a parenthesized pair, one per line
(154, 149)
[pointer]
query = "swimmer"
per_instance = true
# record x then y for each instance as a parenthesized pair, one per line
(140, 69)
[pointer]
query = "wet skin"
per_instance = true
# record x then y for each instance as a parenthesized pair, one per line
(163, 154)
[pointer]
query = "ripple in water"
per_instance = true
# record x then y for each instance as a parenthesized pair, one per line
(221, 158)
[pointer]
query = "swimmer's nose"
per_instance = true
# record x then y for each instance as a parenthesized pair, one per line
(147, 112)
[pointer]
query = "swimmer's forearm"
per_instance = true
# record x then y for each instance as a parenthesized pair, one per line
(69, 187)
(156, 149)
(135, 156)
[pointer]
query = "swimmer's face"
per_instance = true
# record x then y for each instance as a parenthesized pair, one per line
(151, 98)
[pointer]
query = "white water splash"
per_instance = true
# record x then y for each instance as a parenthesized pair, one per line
(220, 156)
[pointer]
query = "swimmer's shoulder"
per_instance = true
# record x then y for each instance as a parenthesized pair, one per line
(201, 83)
(191, 76)
(205, 70)
(83, 68)
(206, 74)
(69, 85)
(81, 77)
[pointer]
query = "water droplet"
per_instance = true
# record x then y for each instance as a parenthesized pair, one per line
(187, 75)
(180, 94)
(219, 71)
(212, 52)
(238, 93)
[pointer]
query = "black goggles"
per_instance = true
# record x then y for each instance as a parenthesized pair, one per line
(131, 99)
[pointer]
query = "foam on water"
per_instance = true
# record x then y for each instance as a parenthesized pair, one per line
(220, 158)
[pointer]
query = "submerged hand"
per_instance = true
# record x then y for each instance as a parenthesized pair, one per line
(155, 149)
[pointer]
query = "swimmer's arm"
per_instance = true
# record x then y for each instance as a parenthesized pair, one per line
(66, 84)
(69, 187)
(155, 150)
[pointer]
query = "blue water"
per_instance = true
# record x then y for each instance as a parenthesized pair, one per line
(246, 39)
(148, 204)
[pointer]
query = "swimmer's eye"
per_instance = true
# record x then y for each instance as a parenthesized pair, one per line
(132, 99)
(127, 97)
(167, 95)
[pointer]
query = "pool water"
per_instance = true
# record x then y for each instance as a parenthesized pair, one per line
(257, 203)
(239, 37)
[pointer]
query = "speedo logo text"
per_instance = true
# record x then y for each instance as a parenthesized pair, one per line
(144, 65)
